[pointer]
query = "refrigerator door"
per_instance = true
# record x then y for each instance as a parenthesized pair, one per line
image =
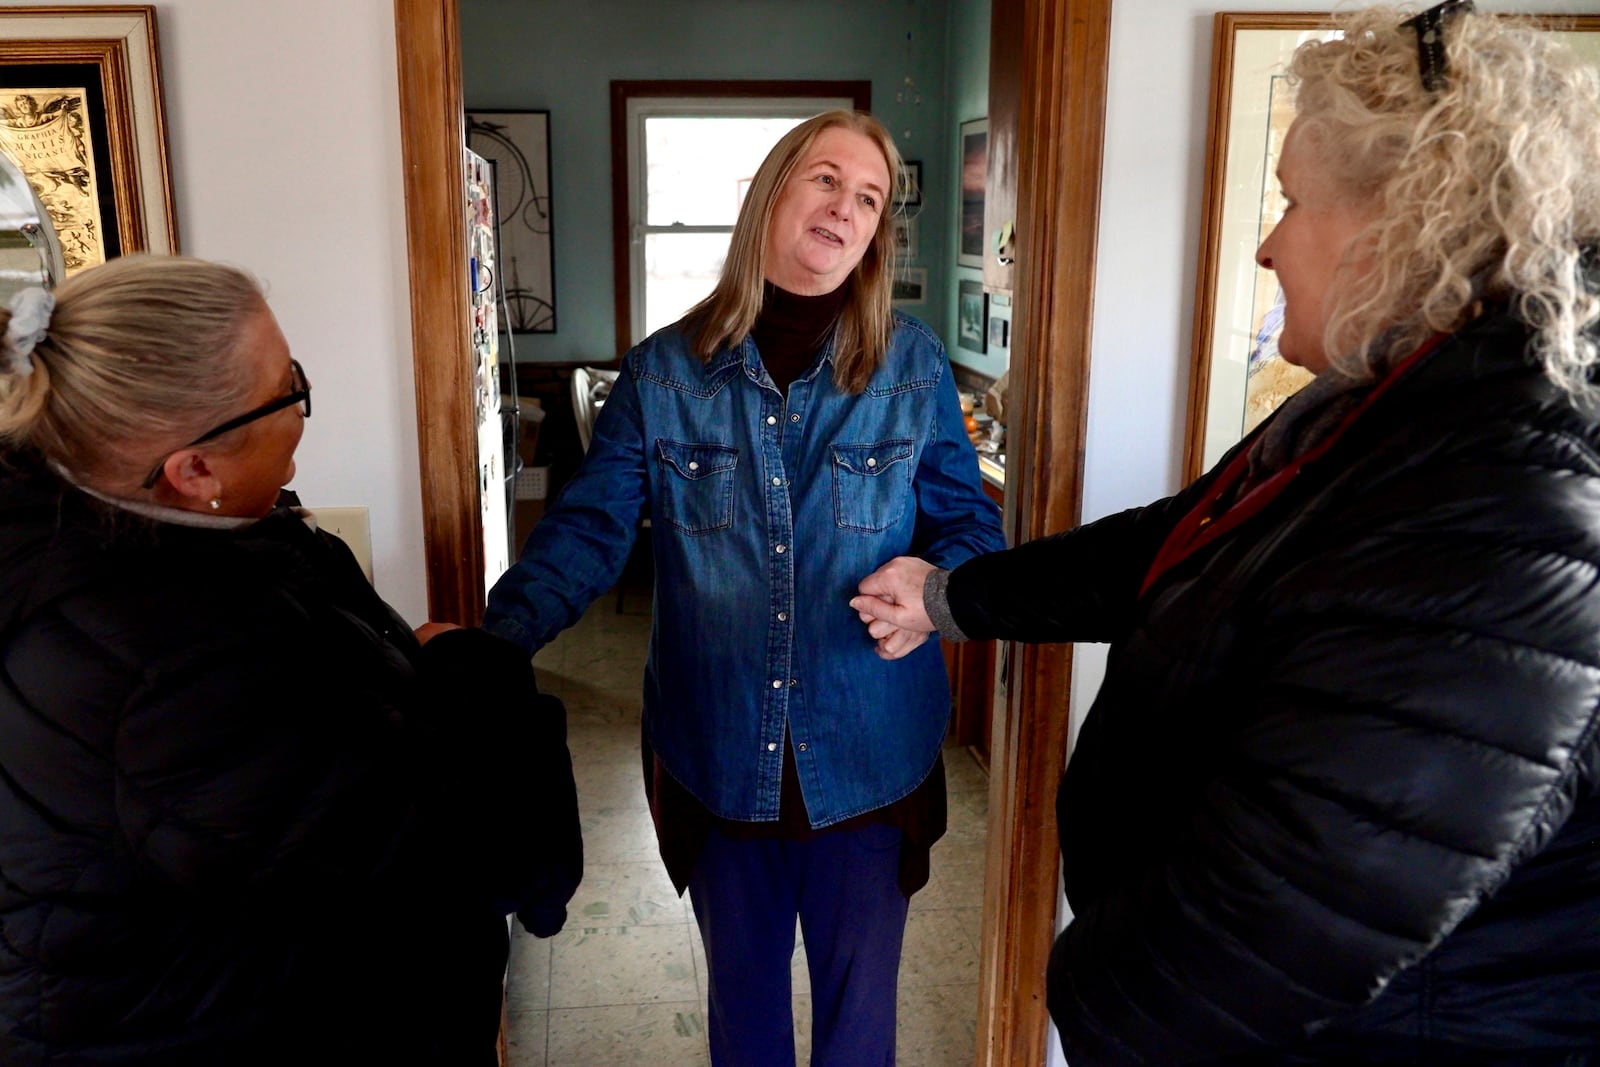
(491, 458)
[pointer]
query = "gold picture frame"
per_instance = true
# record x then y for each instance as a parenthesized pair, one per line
(1236, 379)
(82, 112)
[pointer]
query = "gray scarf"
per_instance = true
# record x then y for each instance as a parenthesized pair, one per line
(1304, 421)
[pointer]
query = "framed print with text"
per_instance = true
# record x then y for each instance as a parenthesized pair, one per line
(82, 115)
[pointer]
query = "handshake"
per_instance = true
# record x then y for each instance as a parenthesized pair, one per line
(890, 603)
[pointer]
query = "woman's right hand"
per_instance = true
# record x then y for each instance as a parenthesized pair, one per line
(891, 605)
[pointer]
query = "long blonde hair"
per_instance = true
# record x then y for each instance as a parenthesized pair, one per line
(1485, 189)
(861, 338)
(135, 363)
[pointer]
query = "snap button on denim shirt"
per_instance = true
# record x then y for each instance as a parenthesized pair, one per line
(765, 513)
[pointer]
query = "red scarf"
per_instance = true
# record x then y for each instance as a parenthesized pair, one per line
(1210, 519)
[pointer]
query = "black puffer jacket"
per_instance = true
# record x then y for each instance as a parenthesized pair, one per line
(1336, 800)
(244, 817)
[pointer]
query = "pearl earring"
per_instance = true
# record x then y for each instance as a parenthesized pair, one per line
(216, 502)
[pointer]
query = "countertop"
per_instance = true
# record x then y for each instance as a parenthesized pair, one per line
(994, 473)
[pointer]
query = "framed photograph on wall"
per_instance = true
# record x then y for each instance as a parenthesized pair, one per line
(905, 238)
(909, 196)
(972, 318)
(911, 287)
(518, 143)
(974, 172)
(1237, 378)
(82, 115)
(999, 332)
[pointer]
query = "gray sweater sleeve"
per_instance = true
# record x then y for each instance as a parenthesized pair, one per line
(937, 605)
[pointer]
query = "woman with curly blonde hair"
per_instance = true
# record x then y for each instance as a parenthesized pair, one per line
(1338, 798)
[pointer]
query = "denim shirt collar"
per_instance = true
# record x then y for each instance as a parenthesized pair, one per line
(744, 353)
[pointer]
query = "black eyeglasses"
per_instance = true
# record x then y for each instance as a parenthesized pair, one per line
(1429, 27)
(301, 394)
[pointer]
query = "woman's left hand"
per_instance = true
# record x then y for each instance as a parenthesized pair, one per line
(894, 641)
(429, 630)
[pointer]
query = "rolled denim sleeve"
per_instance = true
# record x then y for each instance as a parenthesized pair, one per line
(578, 549)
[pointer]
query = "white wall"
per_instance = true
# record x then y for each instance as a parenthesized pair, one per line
(284, 133)
(1150, 213)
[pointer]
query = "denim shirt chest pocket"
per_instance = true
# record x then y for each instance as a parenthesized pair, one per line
(872, 484)
(694, 483)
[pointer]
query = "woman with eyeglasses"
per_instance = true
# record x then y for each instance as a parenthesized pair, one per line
(1338, 798)
(246, 817)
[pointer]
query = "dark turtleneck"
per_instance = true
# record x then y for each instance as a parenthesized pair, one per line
(792, 329)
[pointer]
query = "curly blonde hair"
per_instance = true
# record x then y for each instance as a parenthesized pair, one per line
(1485, 190)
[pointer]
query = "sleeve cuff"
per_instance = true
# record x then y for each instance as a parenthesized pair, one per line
(937, 604)
(509, 629)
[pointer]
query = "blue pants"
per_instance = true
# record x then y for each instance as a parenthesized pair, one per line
(845, 889)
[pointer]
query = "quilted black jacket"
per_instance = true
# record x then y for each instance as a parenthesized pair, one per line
(244, 817)
(1336, 799)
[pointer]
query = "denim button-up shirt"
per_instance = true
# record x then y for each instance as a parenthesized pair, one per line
(765, 512)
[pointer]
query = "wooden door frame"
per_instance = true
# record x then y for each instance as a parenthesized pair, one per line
(1060, 147)
(432, 140)
(1061, 138)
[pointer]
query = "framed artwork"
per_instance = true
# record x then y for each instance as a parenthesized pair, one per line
(999, 332)
(83, 117)
(905, 238)
(972, 317)
(518, 144)
(910, 193)
(1237, 378)
(911, 287)
(974, 171)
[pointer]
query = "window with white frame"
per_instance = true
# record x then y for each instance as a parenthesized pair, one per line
(690, 162)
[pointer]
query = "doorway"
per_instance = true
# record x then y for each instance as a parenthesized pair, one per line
(1058, 51)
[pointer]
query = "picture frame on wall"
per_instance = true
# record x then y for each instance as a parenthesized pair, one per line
(972, 317)
(82, 114)
(909, 195)
(905, 238)
(518, 144)
(1237, 378)
(999, 332)
(974, 173)
(910, 286)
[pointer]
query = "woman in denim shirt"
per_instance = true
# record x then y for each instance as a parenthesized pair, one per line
(788, 436)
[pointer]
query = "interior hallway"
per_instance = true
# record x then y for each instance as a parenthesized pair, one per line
(624, 983)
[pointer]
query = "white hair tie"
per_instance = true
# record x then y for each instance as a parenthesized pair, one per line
(30, 321)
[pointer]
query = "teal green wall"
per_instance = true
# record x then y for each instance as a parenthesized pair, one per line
(969, 99)
(562, 56)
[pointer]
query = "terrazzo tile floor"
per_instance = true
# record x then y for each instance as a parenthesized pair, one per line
(625, 982)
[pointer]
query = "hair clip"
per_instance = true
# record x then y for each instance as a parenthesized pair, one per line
(30, 321)
(1429, 25)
